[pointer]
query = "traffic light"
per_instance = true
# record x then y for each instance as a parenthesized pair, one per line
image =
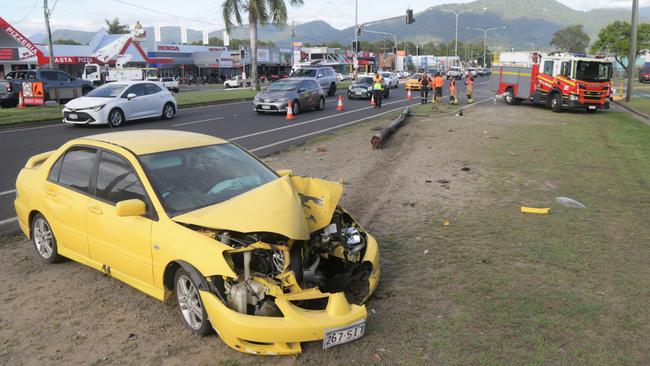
(355, 46)
(358, 31)
(394, 49)
(242, 54)
(409, 16)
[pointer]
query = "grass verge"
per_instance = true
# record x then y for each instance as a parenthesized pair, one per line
(640, 104)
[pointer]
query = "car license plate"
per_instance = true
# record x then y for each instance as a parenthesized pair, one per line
(592, 107)
(336, 336)
(266, 107)
(73, 116)
(359, 93)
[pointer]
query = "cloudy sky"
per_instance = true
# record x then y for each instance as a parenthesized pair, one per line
(27, 15)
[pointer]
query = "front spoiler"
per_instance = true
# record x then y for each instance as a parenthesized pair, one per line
(574, 104)
(280, 335)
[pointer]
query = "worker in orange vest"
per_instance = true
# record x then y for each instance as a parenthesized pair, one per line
(469, 83)
(453, 92)
(438, 84)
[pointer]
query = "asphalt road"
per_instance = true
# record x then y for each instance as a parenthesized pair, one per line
(237, 122)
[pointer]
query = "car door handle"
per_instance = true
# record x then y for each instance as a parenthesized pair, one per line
(96, 210)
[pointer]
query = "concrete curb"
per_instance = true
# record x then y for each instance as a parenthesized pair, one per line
(634, 112)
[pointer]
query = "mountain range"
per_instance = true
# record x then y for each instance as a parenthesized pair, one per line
(529, 23)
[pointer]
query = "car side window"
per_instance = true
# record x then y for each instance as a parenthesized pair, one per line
(56, 170)
(320, 73)
(77, 167)
(304, 86)
(62, 76)
(49, 75)
(151, 89)
(313, 84)
(137, 89)
(30, 75)
(116, 180)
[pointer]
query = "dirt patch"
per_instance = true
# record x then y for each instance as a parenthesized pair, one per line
(429, 173)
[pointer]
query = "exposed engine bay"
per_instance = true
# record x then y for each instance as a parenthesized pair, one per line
(268, 265)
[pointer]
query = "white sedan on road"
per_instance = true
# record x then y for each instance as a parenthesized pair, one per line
(116, 103)
(391, 79)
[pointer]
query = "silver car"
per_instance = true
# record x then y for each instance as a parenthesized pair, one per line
(303, 92)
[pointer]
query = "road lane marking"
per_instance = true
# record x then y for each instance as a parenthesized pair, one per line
(30, 128)
(7, 192)
(325, 130)
(199, 121)
(8, 221)
(311, 121)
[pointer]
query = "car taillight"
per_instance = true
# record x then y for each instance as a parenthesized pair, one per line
(8, 86)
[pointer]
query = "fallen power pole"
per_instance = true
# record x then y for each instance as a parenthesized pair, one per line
(378, 139)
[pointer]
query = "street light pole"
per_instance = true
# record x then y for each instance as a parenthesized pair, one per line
(485, 32)
(46, 13)
(355, 61)
(457, 14)
(631, 59)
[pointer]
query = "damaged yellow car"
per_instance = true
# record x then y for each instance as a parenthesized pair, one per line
(265, 258)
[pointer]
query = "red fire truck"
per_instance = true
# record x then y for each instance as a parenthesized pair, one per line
(558, 80)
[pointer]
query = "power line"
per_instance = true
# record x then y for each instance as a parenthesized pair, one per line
(53, 6)
(28, 13)
(164, 13)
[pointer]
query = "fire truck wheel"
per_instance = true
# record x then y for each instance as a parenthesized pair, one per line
(556, 102)
(510, 97)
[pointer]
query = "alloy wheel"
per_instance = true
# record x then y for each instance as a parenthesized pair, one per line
(189, 302)
(43, 238)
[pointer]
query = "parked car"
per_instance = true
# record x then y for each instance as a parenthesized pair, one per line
(413, 82)
(324, 74)
(343, 77)
(119, 102)
(302, 92)
(644, 74)
(362, 88)
(473, 70)
(455, 72)
(50, 78)
(7, 96)
(265, 258)
(170, 83)
(236, 82)
(391, 79)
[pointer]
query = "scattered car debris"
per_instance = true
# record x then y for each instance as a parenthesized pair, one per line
(569, 202)
(446, 222)
(534, 210)
(321, 149)
(426, 252)
(428, 181)
(465, 169)
(511, 153)
(443, 181)
(384, 133)
(132, 337)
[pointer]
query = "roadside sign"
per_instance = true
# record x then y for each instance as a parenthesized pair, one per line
(33, 93)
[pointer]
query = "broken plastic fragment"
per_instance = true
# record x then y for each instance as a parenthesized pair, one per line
(569, 202)
(534, 210)
(445, 222)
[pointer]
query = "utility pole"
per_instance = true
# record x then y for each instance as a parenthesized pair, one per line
(46, 13)
(631, 59)
(355, 60)
(293, 36)
(457, 14)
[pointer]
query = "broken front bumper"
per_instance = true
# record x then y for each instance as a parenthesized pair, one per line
(281, 335)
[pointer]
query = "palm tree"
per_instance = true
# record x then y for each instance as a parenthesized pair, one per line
(115, 27)
(259, 11)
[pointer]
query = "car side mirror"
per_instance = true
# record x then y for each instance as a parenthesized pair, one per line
(129, 208)
(130, 96)
(284, 172)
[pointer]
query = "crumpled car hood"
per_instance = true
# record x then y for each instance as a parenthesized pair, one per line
(291, 206)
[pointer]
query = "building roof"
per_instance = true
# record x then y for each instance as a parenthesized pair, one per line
(143, 142)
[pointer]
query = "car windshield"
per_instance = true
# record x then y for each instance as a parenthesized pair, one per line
(416, 76)
(304, 72)
(364, 80)
(188, 179)
(385, 74)
(284, 85)
(107, 91)
(593, 71)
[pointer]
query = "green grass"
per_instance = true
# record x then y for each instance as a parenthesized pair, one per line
(10, 116)
(213, 96)
(640, 104)
(569, 288)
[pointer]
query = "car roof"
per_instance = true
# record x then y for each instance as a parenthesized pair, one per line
(142, 142)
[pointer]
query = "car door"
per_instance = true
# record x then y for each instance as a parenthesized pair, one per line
(155, 99)
(315, 94)
(66, 196)
(135, 107)
(121, 244)
(304, 94)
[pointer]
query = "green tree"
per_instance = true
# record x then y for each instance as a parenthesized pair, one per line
(66, 41)
(259, 11)
(571, 39)
(615, 39)
(115, 27)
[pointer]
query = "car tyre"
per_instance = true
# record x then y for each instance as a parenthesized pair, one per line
(115, 118)
(510, 98)
(556, 102)
(190, 305)
(332, 90)
(168, 111)
(44, 240)
(321, 104)
(295, 107)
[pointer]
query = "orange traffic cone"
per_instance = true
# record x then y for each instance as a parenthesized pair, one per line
(408, 95)
(372, 101)
(290, 111)
(339, 107)
(21, 100)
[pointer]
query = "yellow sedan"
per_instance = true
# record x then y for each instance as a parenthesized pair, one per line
(266, 258)
(413, 83)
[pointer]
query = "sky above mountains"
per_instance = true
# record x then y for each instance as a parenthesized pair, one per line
(89, 15)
